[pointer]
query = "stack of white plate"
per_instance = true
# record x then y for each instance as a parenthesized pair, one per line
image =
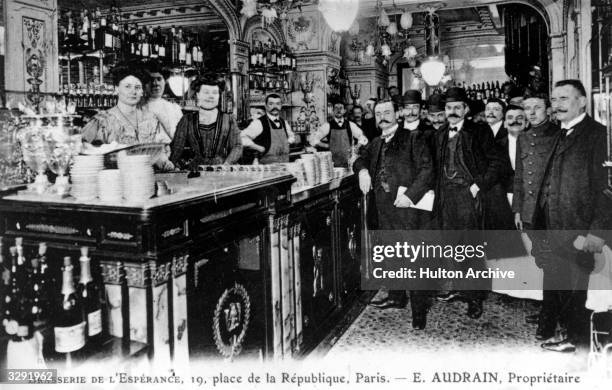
(109, 185)
(327, 167)
(84, 176)
(297, 170)
(310, 168)
(137, 177)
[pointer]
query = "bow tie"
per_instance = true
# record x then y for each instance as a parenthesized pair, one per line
(454, 129)
(387, 135)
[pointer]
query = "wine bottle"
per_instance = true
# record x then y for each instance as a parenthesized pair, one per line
(161, 42)
(69, 326)
(188, 51)
(21, 261)
(182, 47)
(90, 296)
(253, 58)
(174, 52)
(10, 319)
(260, 55)
(46, 283)
(195, 47)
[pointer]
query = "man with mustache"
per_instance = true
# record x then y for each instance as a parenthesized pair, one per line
(169, 114)
(572, 203)
(269, 135)
(436, 110)
(337, 135)
(398, 170)
(468, 164)
(532, 149)
(498, 215)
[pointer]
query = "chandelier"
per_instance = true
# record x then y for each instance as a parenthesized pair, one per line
(387, 38)
(391, 35)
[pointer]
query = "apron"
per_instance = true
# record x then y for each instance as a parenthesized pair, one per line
(340, 147)
(279, 147)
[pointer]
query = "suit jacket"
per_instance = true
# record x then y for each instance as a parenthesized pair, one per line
(576, 199)
(481, 156)
(409, 163)
(533, 148)
(497, 212)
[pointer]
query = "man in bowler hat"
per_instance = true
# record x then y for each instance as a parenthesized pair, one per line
(467, 166)
(436, 114)
(397, 169)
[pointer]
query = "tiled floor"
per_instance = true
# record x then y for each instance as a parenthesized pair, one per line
(502, 324)
(500, 338)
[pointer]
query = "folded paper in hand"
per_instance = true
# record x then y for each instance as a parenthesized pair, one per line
(426, 202)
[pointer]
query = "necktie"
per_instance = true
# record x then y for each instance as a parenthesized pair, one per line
(276, 122)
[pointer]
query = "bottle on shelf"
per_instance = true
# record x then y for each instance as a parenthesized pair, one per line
(261, 63)
(182, 46)
(189, 51)
(91, 298)
(161, 45)
(253, 59)
(69, 328)
(174, 45)
(22, 269)
(84, 29)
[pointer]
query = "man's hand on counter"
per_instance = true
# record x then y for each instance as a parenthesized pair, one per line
(365, 181)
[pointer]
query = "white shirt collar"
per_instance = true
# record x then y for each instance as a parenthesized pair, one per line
(458, 126)
(496, 128)
(573, 122)
(390, 131)
(340, 122)
(412, 125)
(274, 118)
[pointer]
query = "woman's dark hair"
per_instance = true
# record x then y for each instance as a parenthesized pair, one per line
(122, 71)
(154, 66)
(211, 80)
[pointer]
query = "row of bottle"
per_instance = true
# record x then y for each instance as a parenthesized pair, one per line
(267, 56)
(31, 298)
(269, 84)
(483, 91)
(89, 95)
(95, 31)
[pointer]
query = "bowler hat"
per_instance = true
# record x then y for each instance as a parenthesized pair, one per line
(412, 96)
(436, 103)
(456, 94)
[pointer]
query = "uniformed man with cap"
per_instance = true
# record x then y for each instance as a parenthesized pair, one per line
(533, 147)
(467, 165)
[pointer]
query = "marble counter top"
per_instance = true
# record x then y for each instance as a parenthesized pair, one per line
(209, 185)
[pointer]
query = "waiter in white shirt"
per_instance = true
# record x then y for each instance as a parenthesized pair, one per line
(339, 135)
(168, 114)
(269, 135)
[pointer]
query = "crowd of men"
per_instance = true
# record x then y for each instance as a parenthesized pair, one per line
(535, 166)
(532, 164)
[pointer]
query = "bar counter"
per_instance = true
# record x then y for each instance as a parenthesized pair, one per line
(226, 266)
